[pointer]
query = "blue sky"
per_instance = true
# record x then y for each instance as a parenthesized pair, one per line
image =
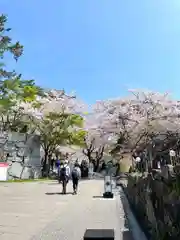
(99, 48)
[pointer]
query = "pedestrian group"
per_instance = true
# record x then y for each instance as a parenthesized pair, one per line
(65, 174)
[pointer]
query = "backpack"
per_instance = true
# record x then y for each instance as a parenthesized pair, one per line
(63, 172)
(75, 173)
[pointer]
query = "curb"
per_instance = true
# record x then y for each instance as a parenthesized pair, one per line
(134, 227)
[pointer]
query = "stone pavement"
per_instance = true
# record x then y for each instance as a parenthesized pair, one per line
(31, 211)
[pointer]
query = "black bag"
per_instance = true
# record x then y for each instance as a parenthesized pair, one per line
(75, 174)
(63, 173)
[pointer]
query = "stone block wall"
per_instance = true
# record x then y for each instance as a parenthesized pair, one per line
(155, 197)
(22, 153)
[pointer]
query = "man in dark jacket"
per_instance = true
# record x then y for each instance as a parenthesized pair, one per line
(76, 175)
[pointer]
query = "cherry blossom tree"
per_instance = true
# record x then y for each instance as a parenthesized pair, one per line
(58, 119)
(94, 148)
(96, 139)
(139, 118)
(53, 101)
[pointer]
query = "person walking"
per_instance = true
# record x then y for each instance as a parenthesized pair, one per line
(52, 163)
(58, 167)
(91, 170)
(76, 175)
(64, 175)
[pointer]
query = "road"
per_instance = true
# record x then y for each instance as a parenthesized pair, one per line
(37, 210)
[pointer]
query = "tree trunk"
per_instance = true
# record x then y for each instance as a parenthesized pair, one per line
(49, 164)
(97, 163)
(45, 164)
(89, 157)
(149, 159)
(46, 156)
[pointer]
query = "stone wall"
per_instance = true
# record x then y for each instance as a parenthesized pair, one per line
(22, 153)
(155, 198)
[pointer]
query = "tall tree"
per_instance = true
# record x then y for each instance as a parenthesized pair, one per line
(96, 139)
(139, 119)
(58, 129)
(13, 89)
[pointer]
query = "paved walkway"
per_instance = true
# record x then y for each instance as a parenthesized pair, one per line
(37, 211)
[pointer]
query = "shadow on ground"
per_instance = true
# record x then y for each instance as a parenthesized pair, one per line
(98, 197)
(58, 193)
(55, 182)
